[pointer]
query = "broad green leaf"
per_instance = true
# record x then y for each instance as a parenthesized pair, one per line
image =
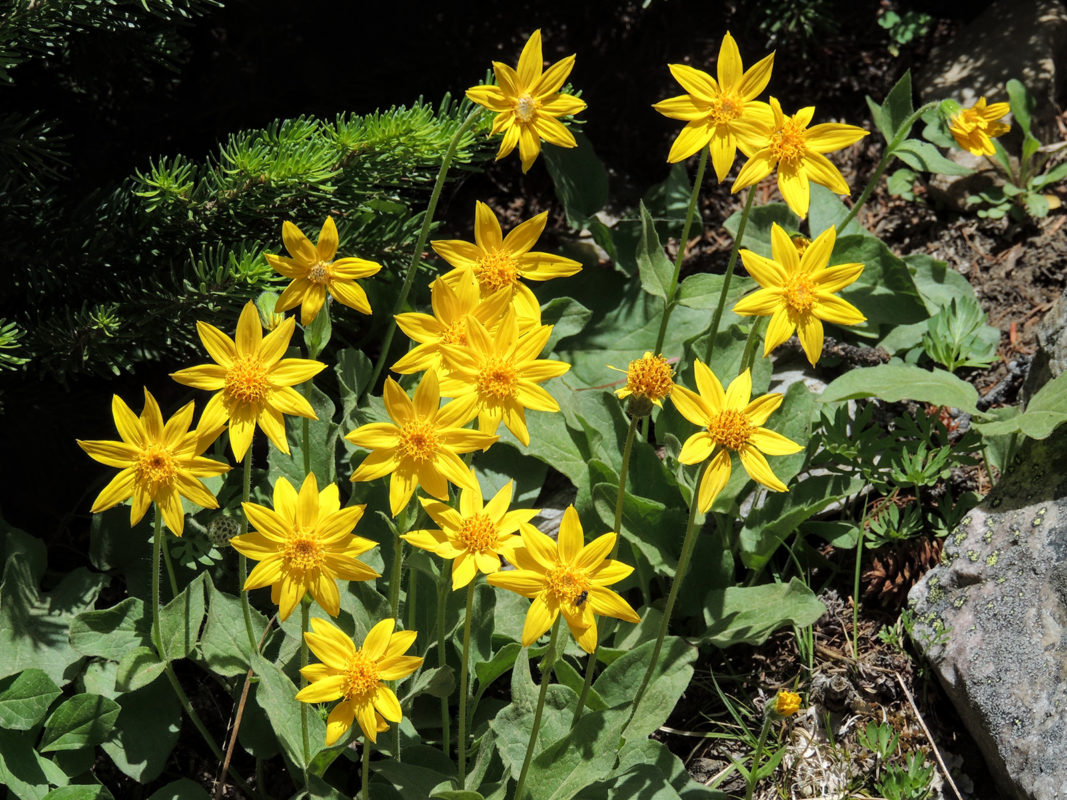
(826, 210)
(181, 618)
(26, 774)
(34, 625)
(501, 662)
(580, 179)
(750, 614)
(703, 290)
(565, 674)
(353, 371)
(317, 334)
(648, 525)
(657, 271)
(436, 682)
(672, 673)
(181, 789)
(25, 700)
(456, 794)
(649, 766)
(224, 644)
(139, 667)
(99, 676)
(894, 110)
(898, 381)
(80, 792)
(111, 632)
(921, 155)
(566, 316)
(585, 755)
(669, 201)
(411, 778)
(885, 291)
(276, 695)
(145, 732)
(1045, 412)
(501, 465)
(758, 228)
(323, 435)
(1022, 104)
(83, 720)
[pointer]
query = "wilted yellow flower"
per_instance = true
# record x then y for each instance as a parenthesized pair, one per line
(797, 152)
(648, 378)
(722, 114)
(733, 424)
(476, 535)
(798, 292)
(568, 577)
(304, 545)
(499, 374)
(158, 462)
(420, 446)
(499, 262)
(528, 102)
(786, 704)
(357, 677)
(975, 128)
(314, 272)
(253, 383)
(453, 305)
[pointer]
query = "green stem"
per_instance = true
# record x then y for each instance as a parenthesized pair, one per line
(305, 708)
(365, 789)
(420, 243)
(547, 663)
(688, 545)
(464, 688)
(757, 756)
(887, 156)
(242, 561)
(620, 498)
(443, 586)
(689, 214)
(157, 640)
(731, 265)
(170, 572)
(750, 345)
(395, 576)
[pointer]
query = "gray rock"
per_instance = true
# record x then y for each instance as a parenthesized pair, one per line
(1050, 360)
(992, 621)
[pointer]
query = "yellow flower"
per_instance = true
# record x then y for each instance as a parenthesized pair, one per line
(722, 114)
(499, 374)
(253, 383)
(314, 272)
(797, 151)
(305, 544)
(975, 128)
(356, 676)
(568, 577)
(477, 535)
(498, 262)
(419, 447)
(453, 305)
(731, 423)
(158, 462)
(527, 103)
(798, 291)
(786, 704)
(648, 378)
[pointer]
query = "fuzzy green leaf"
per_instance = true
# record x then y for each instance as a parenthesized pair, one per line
(181, 789)
(1045, 412)
(83, 720)
(225, 644)
(567, 316)
(145, 732)
(111, 632)
(80, 792)
(580, 179)
(898, 381)
(656, 269)
(139, 667)
(180, 619)
(585, 755)
(25, 700)
(921, 155)
(750, 614)
(276, 695)
(890, 116)
(323, 435)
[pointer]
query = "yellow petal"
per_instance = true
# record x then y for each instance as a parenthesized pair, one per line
(729, 65)
(118, 489)
(538, 620)
(298, 245)
(715, 478)
(809, 331)
(249, 331)
(697, 82)
(697, 448)
(530, 62)
(326, 248)
(758, 469)
(773, 443)
(779, 329)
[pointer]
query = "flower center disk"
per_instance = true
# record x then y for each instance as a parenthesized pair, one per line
(787, 143)
(497, 379)
(303, 553)
(478, 534)
(246, 381)
(360, 678)
(525, 108)
(725, 108)
(456, 333)
(320, 273)
(650, 377)
(496, 270)
(730, 429)
(156, 466)
(417, 441)
(567, 584)
(800, 293)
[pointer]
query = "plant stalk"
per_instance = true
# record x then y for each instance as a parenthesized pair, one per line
(242, 560)
(443, 585)
(547, 663)
(756, 757)
(464, 688)
(731, 265)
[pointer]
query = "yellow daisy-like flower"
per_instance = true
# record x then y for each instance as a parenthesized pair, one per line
(158, 462)
(499, 375)
(975, 128)
(798, 291)
(649, 378)
(304, 545)
(786, 704)
(723, 114)
(498, 262)
(733, 424)
(420, 446)
(527, 103)
(476, 535)
(453, 305)
(797, 152)
(253, 383)
(566, 576)
(356, 676)
(315, 272)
